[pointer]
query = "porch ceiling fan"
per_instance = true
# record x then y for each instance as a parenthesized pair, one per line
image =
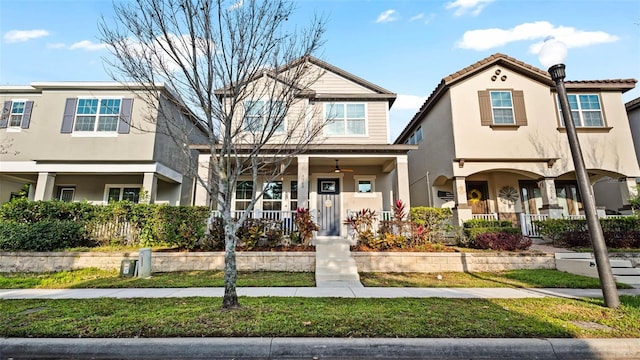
(337, 169)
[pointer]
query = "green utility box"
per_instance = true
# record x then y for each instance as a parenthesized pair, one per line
(128, 268)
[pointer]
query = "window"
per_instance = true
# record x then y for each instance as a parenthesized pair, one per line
(419, 135)
(66, 194)
(97, 115)
(272, 195)
(585, 110)
(365, 185)
(244, 194)
(16, 114)
(294, 196)
(257, 111)
(345, 119)
(124, 192)
(502, 107)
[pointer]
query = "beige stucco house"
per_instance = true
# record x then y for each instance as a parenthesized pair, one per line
(349, 166)
(491, 143)
(97, 142)
(633, 112)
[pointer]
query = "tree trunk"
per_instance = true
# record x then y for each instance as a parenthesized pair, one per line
(230, 299)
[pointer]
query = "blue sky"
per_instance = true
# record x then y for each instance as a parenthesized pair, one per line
(405, 46)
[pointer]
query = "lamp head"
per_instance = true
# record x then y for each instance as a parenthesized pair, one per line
(553, 52)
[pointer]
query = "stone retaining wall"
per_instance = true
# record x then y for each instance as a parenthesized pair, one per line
(279, 261)
(445, 262)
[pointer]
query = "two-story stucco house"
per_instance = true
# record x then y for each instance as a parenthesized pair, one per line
(349, 167)
(98, 142)
(492, 142)
(633, 112)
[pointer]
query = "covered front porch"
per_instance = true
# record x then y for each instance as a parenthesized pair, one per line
(522, 197)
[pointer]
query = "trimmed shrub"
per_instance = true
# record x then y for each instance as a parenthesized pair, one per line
(618, 232)
(430, 224)
(180, 226)
(46, 235)
(502, 241)
(480, 223)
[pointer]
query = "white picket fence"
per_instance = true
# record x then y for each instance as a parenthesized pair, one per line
(285, 219)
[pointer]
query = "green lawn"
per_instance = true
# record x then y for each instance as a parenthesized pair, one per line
(320, 317)
(95, 278)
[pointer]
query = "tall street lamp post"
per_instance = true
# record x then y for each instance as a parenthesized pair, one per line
(552, 56)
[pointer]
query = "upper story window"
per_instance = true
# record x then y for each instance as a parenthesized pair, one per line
(585, 110)
(345, 119)
(265, 116)
(96, 116)
(16, 114)
(416, 137)
(502, 107)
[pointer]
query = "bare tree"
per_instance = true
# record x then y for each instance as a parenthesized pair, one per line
(241, 70)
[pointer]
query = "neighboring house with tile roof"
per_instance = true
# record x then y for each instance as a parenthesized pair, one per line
(95, 142)
(492, 143)
(349, 167)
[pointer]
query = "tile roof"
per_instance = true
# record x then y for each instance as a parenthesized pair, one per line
(633, 104)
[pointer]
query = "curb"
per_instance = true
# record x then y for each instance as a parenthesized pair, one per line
(317, 348)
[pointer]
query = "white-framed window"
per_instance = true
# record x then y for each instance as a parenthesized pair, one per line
(244, 193)
(97, 115)
(272, 195)
(66, 194)
(585, 110)
(365, 186)
(256, 112)
(16, 114)
(502, 107)
(118, 192)
(345, 119)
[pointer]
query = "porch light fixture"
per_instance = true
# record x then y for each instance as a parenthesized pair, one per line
(552, 55)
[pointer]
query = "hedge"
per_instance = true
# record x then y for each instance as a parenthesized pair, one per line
(47, 235)
(618, 232)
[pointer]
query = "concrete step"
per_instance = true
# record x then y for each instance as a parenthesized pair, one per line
(337, 277)
(339, 284)
(626, 271)
(574, 255)
(620, 263)
(631, 280)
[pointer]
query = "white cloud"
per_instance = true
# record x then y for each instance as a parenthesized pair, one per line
(87, 45)
(484, 39)
(408, 102)
(15, 36)
(56, 46)
(387, 16)
(417, 17)
(236, 5)
(472, 7)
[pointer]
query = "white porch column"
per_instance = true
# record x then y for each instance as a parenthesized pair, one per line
(462, 210)
(549, 199)
(44, 186)
(303, 181)
(402, 171)
(150, 184)
(628, 189)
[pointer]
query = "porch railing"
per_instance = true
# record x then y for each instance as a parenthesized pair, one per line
(284, 218)
(490, 217)
(527, 223)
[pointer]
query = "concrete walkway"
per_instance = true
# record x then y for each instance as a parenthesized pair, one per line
(339, 292)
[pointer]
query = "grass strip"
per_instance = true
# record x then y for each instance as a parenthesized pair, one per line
(320, 317)
(95, 278)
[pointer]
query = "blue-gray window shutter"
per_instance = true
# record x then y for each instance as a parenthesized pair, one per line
(69, 114)
(26, 115)
(6, 110)
(126, 108)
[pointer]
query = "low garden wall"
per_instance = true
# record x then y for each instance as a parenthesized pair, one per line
(278, 261)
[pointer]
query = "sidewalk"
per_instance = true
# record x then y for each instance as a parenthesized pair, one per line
(341, 292)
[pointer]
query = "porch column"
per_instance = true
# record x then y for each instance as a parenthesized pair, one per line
(150, 184)
(628, 189)
(462, 210)
(303, 181)
(44, 186)
(402, 171)
(549, 199)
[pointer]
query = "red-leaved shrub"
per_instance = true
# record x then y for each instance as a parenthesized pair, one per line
(502, 241)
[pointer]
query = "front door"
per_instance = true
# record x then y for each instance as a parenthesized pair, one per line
(329, 207)
(477, 195)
